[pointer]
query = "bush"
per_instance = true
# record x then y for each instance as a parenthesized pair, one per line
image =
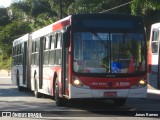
(5, 63)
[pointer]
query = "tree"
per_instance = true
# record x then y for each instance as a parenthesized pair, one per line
(4, 17)
(149, 10)
(96, 6)
(11, 32)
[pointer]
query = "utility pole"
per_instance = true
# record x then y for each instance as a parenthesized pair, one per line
(60, 5)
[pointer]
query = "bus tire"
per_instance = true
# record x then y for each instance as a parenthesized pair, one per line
(59, 101)
(18, 83)
(119, 101)
(36, 93)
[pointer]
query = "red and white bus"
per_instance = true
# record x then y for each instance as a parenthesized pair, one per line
(90, 56)
(154, 56)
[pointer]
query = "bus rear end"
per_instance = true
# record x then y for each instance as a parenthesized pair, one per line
(108, 57)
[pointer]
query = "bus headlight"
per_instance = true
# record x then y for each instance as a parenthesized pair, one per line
(76, 82)
(141, 83)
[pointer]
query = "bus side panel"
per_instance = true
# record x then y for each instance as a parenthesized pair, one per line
(153, 77)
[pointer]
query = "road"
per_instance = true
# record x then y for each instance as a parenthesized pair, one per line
(13, 100)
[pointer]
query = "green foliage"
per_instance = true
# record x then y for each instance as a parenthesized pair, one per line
(149, 10)
(92, 6)
(143, 7)
(12, 31)
(4, 17)
(5, 62)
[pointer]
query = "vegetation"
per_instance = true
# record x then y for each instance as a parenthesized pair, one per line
(25, 16)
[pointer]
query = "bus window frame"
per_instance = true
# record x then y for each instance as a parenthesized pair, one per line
(155, 41)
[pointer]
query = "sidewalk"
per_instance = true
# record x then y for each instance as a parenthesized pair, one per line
(5, 73)
(153, 90)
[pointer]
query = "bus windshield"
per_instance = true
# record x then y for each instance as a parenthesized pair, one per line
(112, 53)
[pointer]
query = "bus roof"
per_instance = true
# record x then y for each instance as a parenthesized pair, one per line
(156, 25)
(21, 39)
(52, 27)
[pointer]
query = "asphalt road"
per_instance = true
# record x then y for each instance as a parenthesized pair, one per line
(25, 103)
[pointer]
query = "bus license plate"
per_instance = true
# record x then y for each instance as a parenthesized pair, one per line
(110, 94)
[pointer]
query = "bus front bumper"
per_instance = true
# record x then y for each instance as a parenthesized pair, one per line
(105, 93)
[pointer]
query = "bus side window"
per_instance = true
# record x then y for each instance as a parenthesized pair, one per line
(58, 42)
(36, 52)
(52, 42)
(20, 54)
(52, 46)
(33, 50)
(36, 46)
(58, 53)
(32, 46)
(46, 50)
(155, 41)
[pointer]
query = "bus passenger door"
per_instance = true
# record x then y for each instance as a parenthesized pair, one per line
(41, 62)
(24, 62)
(65, 69)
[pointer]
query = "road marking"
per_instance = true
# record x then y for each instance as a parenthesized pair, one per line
(5, 77)
(153, 91)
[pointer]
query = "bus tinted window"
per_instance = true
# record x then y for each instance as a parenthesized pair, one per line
(52, 43)
(123, 51)
(51, 57)
(109, 24)
(36, 46)
(46, 53)
(155, 37)
(59, 40)
(47, 40)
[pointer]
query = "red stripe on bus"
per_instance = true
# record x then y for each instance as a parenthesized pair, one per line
(61, 25)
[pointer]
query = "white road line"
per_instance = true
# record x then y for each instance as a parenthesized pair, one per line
(153, 91)
(5, 77)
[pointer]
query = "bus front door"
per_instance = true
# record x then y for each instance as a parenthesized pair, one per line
(41, 62)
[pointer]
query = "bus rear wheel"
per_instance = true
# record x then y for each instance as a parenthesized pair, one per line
(59, 101)
(119, 101)
(18, 83)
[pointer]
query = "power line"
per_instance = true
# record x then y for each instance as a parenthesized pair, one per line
(116, 7)
(60, 7)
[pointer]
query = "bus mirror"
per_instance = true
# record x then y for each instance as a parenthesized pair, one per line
(66, 37)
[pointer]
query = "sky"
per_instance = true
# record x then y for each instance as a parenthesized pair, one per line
(5, 3)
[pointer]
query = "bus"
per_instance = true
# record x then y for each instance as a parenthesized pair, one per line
(153, 56)
(84, 56)
(20, 62)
